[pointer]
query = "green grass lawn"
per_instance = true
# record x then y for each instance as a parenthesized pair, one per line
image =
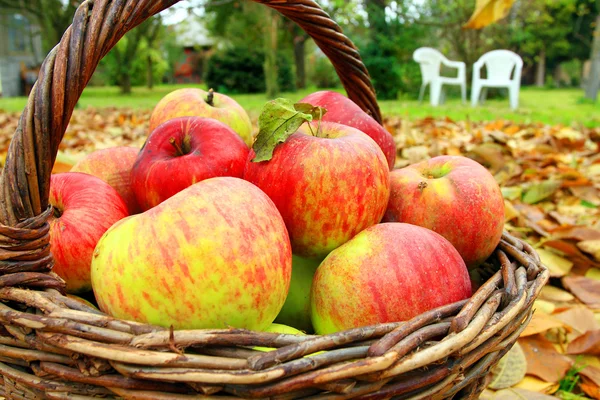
(551, 106)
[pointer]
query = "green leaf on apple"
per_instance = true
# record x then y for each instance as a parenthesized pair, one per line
(278, 120)
(315, 111)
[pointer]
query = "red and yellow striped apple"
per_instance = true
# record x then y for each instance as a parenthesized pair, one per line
(327, 187)
(342, 110)
(113, 166)
(453, 196)
(183, 151)
(215, 255)
(84, 208)
(389, 272)
(191, 102)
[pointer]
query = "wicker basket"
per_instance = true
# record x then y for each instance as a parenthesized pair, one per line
(56, 348)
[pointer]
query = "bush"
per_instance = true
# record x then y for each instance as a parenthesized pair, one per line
(240, 70)
(410, 79)
(384, 69)
(321, 73)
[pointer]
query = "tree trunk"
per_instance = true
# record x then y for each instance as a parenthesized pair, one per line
(125, 83)
(593, 84)
(149, 70)
(300, 59)
(540, 72)
(270, 41)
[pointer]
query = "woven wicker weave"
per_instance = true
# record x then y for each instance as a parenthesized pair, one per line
(56, 348)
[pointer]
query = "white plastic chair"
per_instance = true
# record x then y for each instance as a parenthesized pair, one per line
(500, 65)
(430, 60)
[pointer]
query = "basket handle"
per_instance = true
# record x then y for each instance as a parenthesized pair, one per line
(97, 27)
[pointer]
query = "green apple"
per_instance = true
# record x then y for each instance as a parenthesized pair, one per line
(296, 309)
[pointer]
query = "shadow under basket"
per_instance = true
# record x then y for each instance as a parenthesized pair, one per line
(57, 348)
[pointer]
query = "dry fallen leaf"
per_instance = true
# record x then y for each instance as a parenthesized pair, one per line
(588, 343)
(534, 384)
(579, 318)
(558, 266)
(510, 370)
(585, 289)
(540, 323)
(543, 360)
(554, 294)
(591, 247)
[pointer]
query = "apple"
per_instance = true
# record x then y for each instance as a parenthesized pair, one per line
(278, 328)
(84, 208)
(183, 151)
(113, 166)
(192, 102)
(215, 255)
(296, 309)
(390, 272)
(453, 196)
(327, 187)
(342, 110)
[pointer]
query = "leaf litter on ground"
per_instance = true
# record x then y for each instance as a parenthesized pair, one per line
(550, 179)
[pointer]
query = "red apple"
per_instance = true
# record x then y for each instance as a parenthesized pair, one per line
(113, 166)
(342, 110)
(84, 208)
(183, 151)
(453, 196)
(327, 187)
(190, 102)
(387, 273)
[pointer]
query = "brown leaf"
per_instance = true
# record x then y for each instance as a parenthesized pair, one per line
(585, 289)
(588, 343)
(576, 232)
(590, 389)
(541, 322)
(543, 360)
(592, 373)
(580, 318)
(570, 250)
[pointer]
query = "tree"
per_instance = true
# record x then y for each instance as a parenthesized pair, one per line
(270, 43)
(53, 16)
(593, 85)
(134, 47)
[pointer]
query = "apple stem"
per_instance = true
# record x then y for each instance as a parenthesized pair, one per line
(210, 97)
(176, 145)
(56, 212)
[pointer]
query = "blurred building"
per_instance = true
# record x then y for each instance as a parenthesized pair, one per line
(193, 38)
(20, 54)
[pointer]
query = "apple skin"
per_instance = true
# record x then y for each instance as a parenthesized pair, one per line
(389, 272)
(215, 255)
(453, 196)
(327, 188)
(342, 110)
(296, 309)
(88, 206)
(113, 166)
(190, 102)
(210, 149)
